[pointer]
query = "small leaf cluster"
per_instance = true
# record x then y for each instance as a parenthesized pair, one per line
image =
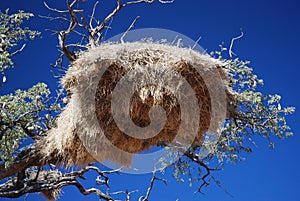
(24, 114)
(250, 111)
(250, 114)
(12, 32)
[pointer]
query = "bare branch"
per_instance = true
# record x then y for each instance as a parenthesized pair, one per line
(93, 14)
(62, 38)
(73, 23)
(165, 2)
(63, 34)
(196, 43)
(128, 193)
(232, 42)
(47, 181)
(61, 11)
(205, 179)
(94, 33)
(105, 33)
(58, 62)
(147, 1)
(18, 51)
(102, 25)
(54, 18)
(117, 9)
(41, 181)
(219, 184)
(91, 190)
(77, 45)
(129, 28)
(153, 179)
(73, 3)
(137, 2)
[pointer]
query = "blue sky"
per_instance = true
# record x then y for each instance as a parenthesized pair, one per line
(271, 43)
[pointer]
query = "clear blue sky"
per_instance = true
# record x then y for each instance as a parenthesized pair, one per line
(271, 43)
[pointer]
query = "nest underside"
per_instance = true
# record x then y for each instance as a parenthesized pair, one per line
(141, 62)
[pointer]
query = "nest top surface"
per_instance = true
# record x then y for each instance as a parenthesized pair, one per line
(139, 53)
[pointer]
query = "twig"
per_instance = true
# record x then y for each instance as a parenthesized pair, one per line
(137, 2)
(196, 43)
(165, 2)
(118, 8)
(61, 11)
(147, 1)
(129, 28)
(195, 159)
(93, 14)
(102, 25)
(54, 18)
(146, 198)
(173, 42)
(105, 34)
(58, 62)
(18, 51)
(90, 191)
(232, 42)
(128, 193)
(221, 186)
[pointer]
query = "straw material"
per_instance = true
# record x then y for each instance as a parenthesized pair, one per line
(87, 129)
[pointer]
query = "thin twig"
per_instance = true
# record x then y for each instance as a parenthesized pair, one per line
(128, 193)
(147, 1)
(196, 43)
(137, 2)
(153, 179)
(105, 34)
(118, 8)
(99, 28)
(54, 18)
(93, 14)
(18, 51)
(60, 11)
(232, 42)
(129, 28)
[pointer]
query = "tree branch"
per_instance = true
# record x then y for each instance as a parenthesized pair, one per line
(25, 159)
(47, 181)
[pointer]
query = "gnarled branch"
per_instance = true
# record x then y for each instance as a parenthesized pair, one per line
(47, 182)
(76, 18)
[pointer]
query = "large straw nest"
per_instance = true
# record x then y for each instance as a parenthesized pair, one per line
(99, 70)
